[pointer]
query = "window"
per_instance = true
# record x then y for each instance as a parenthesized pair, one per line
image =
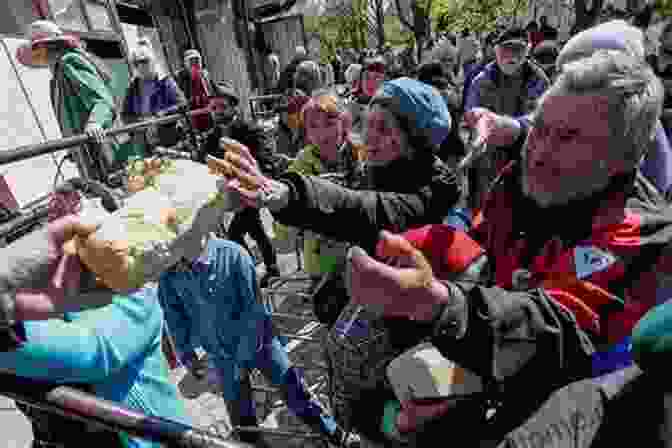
(99, 16)
(68, 14)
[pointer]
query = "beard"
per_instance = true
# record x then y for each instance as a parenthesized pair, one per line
(570, 188)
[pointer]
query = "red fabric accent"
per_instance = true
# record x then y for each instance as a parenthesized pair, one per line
(199, 99)
(449, 250)
(555, 268)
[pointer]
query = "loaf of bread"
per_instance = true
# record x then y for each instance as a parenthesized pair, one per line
(169, 218)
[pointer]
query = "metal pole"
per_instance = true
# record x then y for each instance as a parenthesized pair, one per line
(30, 151)
(77, 405)
(112, 8)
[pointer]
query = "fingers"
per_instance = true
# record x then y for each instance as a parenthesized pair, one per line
(234, 166)
(248, 181)
(233, 146)
(66, 228)
(393, 245)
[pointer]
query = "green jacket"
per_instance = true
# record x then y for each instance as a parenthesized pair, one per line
(321, 256)
(80, 94)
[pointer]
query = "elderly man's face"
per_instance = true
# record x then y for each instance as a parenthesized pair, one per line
(569, 153)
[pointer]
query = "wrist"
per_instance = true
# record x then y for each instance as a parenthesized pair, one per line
(439, 296)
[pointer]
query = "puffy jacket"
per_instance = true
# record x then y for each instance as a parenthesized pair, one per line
(514, 97)
(404, 194)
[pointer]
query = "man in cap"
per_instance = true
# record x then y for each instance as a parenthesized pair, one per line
(229, 123)
(509, 86)
(197, 85)
(193, 61)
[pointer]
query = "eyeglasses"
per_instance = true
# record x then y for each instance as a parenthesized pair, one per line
(141, 62)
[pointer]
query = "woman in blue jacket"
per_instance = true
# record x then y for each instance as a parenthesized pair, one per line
(113, 352)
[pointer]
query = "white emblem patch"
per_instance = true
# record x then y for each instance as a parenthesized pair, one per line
(590, 259)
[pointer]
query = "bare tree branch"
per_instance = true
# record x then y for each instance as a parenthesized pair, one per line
(406, 22)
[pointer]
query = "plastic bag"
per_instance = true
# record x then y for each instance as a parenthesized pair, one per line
(167, 221)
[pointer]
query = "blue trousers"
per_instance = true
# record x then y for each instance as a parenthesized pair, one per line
(213, 303)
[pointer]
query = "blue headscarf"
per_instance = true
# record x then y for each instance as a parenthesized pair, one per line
(420, 109)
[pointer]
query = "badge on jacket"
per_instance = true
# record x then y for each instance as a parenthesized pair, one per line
(590, 259)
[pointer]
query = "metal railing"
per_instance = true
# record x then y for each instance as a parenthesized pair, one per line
(77, 405)
(30, 151)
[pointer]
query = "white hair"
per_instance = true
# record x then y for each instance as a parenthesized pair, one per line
(634, 92)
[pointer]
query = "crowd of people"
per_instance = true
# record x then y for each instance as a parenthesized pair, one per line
(542, 265)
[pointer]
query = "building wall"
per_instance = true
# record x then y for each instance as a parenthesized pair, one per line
(283, 36)
(224, 45)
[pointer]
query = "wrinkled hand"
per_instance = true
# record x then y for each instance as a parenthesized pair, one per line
(95, 132)
(45, 277)
(404, 286)
(245, 178)
(491, 128)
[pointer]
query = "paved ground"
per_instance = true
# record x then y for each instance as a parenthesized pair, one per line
(204, 405)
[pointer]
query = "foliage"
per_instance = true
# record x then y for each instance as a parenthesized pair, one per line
(346, 31)
(475, 15)
(663, 7)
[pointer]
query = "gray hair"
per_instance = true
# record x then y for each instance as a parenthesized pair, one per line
(634, 92)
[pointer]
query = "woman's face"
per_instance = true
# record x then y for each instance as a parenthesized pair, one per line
(385, 141)
(325, 130)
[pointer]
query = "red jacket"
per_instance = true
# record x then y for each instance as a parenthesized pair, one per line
(609, 272)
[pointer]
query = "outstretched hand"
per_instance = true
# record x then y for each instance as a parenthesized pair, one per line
(403, 285)
(45, 276)
(245, 177)
(492, 128)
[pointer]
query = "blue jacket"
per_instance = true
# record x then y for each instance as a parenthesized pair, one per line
(115, 349)
(213, 303)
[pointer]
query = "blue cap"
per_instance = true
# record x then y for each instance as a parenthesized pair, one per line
(420, 108)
